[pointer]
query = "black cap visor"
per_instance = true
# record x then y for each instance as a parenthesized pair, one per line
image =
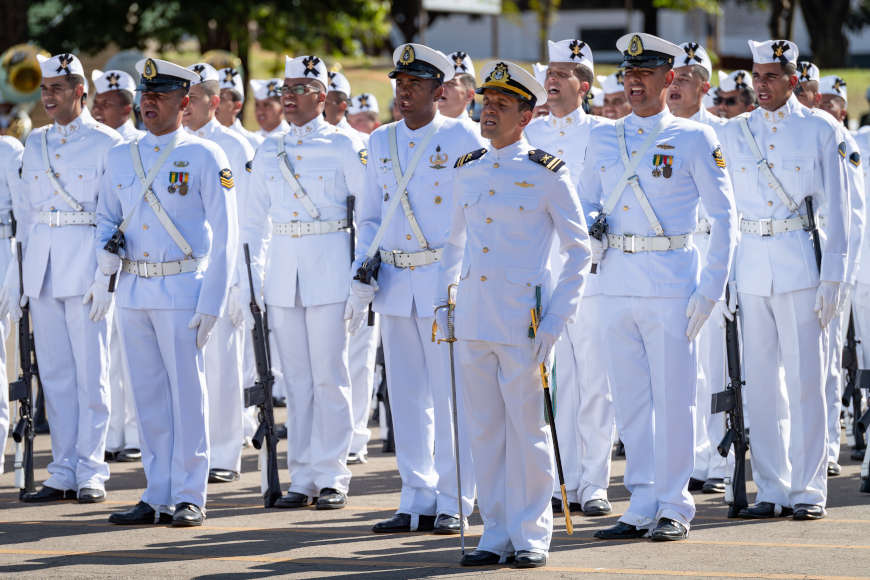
(648, 59)
(510, 88)
(418, 68)
(162, 84)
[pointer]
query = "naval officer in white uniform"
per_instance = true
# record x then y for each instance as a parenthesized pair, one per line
(177, 258)
(69, 298)
(509, 203)
(648, 174)
(422, 149)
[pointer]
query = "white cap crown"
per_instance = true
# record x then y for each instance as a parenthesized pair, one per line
(59, 65)
(205, 71)
(571, 50)
(695, 54)
(112, 80)
(307, 67)
(771, 51)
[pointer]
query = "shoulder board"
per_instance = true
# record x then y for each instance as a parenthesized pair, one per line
(549, 161)
(469, 157)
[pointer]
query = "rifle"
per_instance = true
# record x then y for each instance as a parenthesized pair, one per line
(22, 391)
(351, 229)
(260, 394)
(115, 244)
(598, 230)
(383, 397)
(365, 274)
(730, 401)
(852, 390)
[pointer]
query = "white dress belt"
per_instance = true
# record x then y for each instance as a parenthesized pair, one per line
(66, 218)
(411, 260)
(158, 269)
(631, 244)
(772, 227)
(299, 229)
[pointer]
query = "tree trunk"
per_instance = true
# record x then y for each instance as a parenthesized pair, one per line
(828, 43)
(545, 7)
(650, 17)
(781, 19)
(13, 24)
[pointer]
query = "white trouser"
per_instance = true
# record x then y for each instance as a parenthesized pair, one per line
(73, 355)
(653, 376)
(565, 390)
(168, 385)
(5, 324)
(861, 308)
(362, 348)
(418, 380)
(834, 339)
(123, 424)
(710, 428)
(223, 381)
(311, 344)
(510, 442)
(588, 428)
(789, 459)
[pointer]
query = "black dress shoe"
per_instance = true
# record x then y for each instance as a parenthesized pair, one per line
(807, 511)
(669, 530)
(331, 499)
(91, 495)
(138, 515)
(402, 523)
(764, 510)
(222, 475)
(696, 484)
(857, 454)
(110, 456)
(293, 500)
(529, 559)
(480, 558)
(446, 524)
(714, 485)
(621, 531)
(597, 507)
(356, 458)
(130, 455)
(47, 494)
(187, 515)
(833, 469)
(556, 504)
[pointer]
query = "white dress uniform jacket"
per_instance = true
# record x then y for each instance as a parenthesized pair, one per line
(282, 127)
(129, 132)
(253, 138)
(507, 209)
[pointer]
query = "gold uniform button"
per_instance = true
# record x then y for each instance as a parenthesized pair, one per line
(488, 220)
(156, 148)
(146, 254)
(407, 236)
(57, 155)
(798, 168)
(436, 184)
(770, 204)
(80, 177)
(562, 133)
(492, 192)
(771, 147)
(296, 176)
(410, 267)
(496, 165)
(640, 131)
(295, 214)
(298, 158)
(411, 144)
(437, 199)
(483, 278)
(63, 141)
(485, 250)
(52, 208)
(299, 142)
(770, 165)
(625, 208)
(145, 227)
(522, 208)
(560, 152)
(773, 129)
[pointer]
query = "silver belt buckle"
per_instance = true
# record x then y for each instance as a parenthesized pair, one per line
(142, 269)
(54, 219)
(628, 244)
(765, 228)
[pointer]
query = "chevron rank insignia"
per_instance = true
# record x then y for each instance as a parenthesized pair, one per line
(841, 149)
(718, 158)
(226, 177)
(249, 166)
(550, 162)
(463, 159)
(855, 159)
(363, 156)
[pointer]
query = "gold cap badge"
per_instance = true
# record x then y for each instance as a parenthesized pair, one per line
(635, 47)
(150, 70)
(407, 56)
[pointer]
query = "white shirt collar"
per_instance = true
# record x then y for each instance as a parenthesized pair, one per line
(575, 117)
(309, 127)
(82, 120)
(517, 148)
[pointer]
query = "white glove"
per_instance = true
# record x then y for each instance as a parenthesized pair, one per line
(235, 307)
(108, 262)
(697, 312)
(356, 308)
(546, 337)
(203, 323)
(99, 297)
(827, 300)
(598, 249)
(725, 311)
(10, 303)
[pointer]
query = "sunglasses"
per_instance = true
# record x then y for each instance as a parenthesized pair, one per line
(300, 89)
(729, 102)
